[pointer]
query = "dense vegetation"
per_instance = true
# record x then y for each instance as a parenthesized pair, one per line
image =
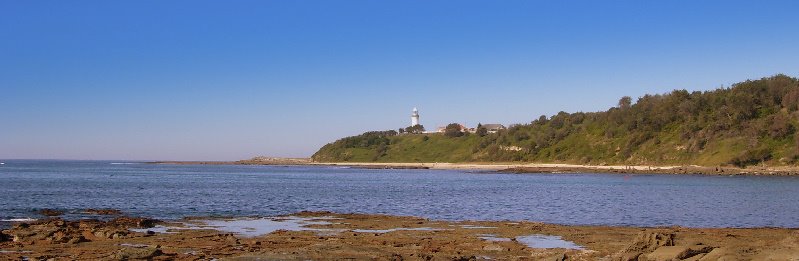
(752, 122)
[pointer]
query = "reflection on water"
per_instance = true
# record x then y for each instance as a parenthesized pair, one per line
(475, 227)
(493, 238)
(248, 227)
(545, 241)
(381, 231)
(251, 227)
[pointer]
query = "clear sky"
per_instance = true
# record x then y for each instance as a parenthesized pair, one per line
(225, 80)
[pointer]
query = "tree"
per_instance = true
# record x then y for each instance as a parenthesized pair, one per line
(780, 126)
(541, 120)
(453, 130)
(625, 102)
(417, 129)
(481, 131)
(791, 99)
(401, 130)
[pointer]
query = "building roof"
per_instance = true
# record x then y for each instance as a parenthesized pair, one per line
(493, 126)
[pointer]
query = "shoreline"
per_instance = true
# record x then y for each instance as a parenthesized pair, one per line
(519, 168)
(322, 235)
(531, 168)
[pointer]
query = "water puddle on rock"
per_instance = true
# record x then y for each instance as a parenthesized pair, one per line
(493, 238)
(134, 245)
(250, 227)
(262, 226)
(253, 227)
(160, 229)
(14, 251)
(474, 227)
(382, 231)
(546, 241)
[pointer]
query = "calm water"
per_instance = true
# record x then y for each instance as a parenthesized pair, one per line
(175, 191)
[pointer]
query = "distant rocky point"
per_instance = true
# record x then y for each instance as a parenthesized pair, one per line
(259, 160)
(262, 160)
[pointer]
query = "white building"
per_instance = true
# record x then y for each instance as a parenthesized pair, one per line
(415, 117)
(493, 128)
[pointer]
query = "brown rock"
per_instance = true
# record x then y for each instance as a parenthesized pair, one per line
(129, 222)
(721, 254)
(643, 243)
(130, 253)
(232, 239)
(633, 256)
(668, 253)
(696, 257)
(21, 235)
(493, 247)
(78, 239)
(21, 225)
(118, 234)
(60, 236)
(779, 254)
(102, 211)
(110, 234)
(786, 249)
(50, 212)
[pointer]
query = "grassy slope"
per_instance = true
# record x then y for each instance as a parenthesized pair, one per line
(437, 148)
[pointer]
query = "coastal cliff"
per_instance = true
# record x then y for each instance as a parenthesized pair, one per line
(749, 123)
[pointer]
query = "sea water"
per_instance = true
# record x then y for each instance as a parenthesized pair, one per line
(176, 191)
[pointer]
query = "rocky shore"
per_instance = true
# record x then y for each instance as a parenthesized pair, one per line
(695, 170)
(574, 168)
(517, 167)
(325, 236)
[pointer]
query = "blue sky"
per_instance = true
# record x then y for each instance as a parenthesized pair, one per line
(224, 80)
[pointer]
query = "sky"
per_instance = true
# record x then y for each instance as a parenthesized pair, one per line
(227, 80)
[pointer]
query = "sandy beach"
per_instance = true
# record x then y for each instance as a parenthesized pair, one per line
(325, 236)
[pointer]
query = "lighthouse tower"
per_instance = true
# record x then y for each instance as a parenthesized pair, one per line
(415, 117)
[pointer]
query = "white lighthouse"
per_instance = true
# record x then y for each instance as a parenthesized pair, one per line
(415, 117)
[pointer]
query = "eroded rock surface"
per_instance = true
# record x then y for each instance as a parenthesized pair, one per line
(102, 211)
(337, 236)
(59, 231)
(645, 242)
(132, 253)
(50, 212)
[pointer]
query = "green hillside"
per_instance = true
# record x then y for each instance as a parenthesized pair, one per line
(752, 122)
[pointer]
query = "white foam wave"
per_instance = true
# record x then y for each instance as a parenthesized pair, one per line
(18, 220)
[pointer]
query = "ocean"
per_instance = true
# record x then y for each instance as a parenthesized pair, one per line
(177, 191)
